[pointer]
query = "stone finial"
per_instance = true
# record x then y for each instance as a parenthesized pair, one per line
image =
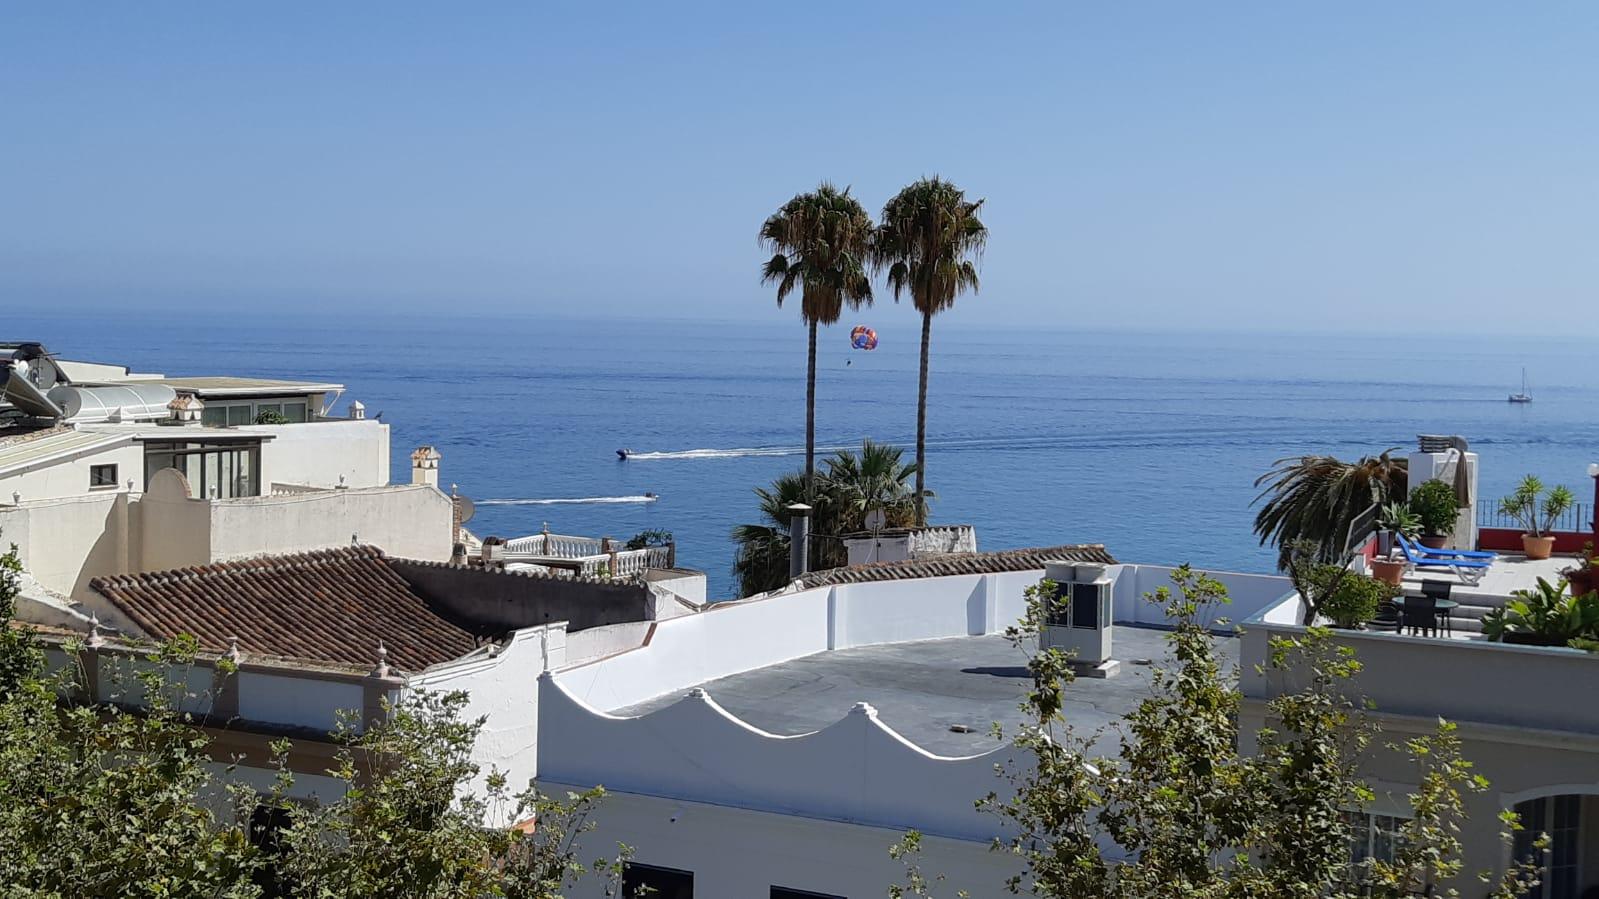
(233, 655)
(95, 637)
(425, 466)
(382, 668)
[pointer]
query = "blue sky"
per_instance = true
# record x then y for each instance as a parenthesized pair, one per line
(1267, 165)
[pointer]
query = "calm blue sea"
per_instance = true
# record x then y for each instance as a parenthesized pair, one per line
(1148, 442)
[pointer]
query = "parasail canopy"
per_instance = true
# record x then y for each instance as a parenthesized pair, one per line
(863, 338)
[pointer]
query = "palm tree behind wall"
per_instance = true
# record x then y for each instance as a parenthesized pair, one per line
(1316, 499)
(820, 244)
(928, 238)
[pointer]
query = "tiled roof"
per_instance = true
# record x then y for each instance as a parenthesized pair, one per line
(331, 605)
(960, 563)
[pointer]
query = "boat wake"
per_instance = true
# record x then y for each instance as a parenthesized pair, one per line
(729, 453)
(578, 501)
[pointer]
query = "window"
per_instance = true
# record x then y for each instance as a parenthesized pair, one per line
(663, 883)
(214, 471)
(1561, 818)
(1373, 836)
(294, 412)
(786, 893)
(102, 475)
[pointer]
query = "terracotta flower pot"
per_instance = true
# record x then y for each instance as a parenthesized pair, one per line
(1435, 541)
(1581, 580)
(1537, 547)
(1387, 571)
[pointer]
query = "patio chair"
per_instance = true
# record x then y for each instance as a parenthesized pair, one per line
(1419, 614)
(1470, 571)
(1427, 553)
(1436, 590)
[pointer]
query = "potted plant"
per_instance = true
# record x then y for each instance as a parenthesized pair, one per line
(1581, 573)
(1544, 616)
(1435, 504)
(1396, 519)
(1534, 516)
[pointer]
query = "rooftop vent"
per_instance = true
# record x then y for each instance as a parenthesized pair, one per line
(1080, 619)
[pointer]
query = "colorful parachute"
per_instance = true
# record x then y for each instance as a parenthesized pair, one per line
(863, 338)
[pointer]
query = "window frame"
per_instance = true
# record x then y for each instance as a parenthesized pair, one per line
(96, 469)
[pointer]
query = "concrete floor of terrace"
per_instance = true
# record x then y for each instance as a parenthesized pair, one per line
(923, 689)
(1508, 574)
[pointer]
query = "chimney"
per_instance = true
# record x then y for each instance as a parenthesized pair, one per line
(799, 540)
(425, 466)
(357, 410)
(184, 409)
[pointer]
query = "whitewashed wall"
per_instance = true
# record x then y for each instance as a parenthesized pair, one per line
(505, 689)
(317, 453)
(65, 542)
(70, 476)
(411, 522)
(736, 853)
(856, 770)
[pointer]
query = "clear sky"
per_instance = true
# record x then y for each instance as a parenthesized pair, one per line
(1270, 165)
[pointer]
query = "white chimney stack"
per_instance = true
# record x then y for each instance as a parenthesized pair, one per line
(357, 410)
(425, 466)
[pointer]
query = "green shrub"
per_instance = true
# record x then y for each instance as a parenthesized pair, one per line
(1435, 504)
(1546, 612)
(1355, 599)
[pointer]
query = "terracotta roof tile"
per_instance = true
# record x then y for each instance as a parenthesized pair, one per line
(331, 605)
(951, 564)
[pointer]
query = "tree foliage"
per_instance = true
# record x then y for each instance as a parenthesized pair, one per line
(124, 798)
(821, 243)
(1194, 816)
(851, 485)
(1316, 499)
(928, 242)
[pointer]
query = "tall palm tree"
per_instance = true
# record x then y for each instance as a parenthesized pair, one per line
(1315, 499)
(876, 478)
(760, 560)
(927, 240)
(821, 243)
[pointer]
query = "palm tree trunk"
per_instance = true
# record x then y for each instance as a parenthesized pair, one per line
(810, 419)
(921, 425)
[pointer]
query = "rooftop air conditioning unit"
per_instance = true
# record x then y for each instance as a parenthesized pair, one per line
(1080, 618)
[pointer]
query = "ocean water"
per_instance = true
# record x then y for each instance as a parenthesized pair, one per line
(1147, 442)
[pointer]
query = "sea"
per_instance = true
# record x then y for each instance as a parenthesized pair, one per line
(1147, 441)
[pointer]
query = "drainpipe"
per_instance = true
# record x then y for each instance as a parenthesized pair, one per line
(799, 540)
(1593, 472)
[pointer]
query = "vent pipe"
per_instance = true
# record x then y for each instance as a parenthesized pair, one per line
(799, 540)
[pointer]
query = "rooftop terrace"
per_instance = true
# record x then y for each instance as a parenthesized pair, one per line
(922, 689)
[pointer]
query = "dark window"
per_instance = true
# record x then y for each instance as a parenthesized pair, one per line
(663, 883)
(267, 824)
(213, 471)
(102, 475)
(786, 893)
(1085, 605)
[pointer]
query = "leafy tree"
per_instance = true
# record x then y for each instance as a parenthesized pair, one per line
(853, 484)
(1193, 815)
(98, 801)
(405, 827)
(820, 243)
(1316, 499)
(648, 538)
(122, 799)
(929, 235)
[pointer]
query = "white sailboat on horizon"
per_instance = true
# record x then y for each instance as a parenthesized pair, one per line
(1523, 396)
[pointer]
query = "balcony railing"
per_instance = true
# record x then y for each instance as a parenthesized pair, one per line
(1577, 519)
(587, 556)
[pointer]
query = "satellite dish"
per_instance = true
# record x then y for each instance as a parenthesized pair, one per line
(875, 520)
(467, 507)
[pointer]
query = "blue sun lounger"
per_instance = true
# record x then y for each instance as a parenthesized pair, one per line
(1417, 549)
(1469, 571)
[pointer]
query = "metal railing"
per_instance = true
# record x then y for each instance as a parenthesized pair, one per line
(1577, 519)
